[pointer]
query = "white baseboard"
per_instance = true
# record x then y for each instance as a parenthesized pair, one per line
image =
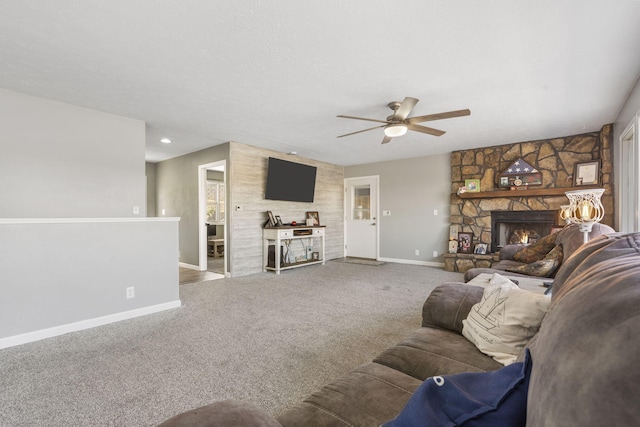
(190, 266)
(413, 262)
(85, 324)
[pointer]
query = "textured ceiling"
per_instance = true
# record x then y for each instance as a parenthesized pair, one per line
(275, 74)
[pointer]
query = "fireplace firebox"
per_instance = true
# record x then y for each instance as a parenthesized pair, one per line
(508, 227)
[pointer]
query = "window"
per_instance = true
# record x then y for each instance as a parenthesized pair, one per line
(361, 202)
(215, 202)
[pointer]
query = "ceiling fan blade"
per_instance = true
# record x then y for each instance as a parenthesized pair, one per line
(362, 118)
(360, 131)
(424, 129)
(405, 108)
(386, 139)
(439, 116)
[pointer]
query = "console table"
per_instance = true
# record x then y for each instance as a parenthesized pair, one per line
(279, 234)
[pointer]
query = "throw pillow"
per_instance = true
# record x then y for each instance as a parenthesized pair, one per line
(537, 250)
(543, 268)
(497, 398)
(502, 323)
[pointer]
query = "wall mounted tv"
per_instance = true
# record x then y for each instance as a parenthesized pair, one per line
(290, 181)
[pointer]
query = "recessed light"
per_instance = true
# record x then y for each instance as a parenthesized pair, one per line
(165, 141)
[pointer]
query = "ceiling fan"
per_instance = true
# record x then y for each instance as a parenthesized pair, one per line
(398, 123)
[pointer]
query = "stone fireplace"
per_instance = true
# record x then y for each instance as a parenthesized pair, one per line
(555, 158)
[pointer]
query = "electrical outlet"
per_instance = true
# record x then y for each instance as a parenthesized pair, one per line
(435, 254)
(164, 211)
(417, 251)
(131, 293)
(136, 210)
(435, 212)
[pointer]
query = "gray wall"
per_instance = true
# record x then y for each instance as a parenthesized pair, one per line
(59, 160)
(411, 189)
(177, 194)
(60, 273)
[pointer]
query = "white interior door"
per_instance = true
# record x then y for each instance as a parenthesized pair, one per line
(361, 217)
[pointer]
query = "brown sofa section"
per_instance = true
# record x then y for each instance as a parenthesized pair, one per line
(570, 238)
(585, 371)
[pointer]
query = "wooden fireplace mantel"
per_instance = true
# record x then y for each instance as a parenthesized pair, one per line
(529, 192)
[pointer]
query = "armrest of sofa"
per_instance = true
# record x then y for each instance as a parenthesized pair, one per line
(508, 251)
(449, 304)
(228, 413)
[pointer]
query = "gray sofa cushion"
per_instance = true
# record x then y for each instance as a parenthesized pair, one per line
(585, 357)
(429, 351)
(228, 413)
(369, 395)
(449, 304)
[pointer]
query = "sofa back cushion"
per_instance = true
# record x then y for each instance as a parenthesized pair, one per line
(449, 304)
(585, 369)
(571, 238)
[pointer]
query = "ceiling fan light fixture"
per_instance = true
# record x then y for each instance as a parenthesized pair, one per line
(395, 130)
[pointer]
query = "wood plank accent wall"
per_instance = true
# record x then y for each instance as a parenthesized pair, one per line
(248, 180)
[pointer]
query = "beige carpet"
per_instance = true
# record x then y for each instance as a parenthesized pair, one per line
(271, 339)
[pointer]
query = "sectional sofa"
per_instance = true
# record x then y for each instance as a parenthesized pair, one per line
(580, 368)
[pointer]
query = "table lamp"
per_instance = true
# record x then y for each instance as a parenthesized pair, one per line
(585, 209)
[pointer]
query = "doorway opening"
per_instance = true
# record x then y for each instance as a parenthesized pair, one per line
(213, 230)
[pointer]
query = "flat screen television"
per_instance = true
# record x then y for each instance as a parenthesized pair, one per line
(290, 181)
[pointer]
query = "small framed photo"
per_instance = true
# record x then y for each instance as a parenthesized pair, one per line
(587, 173)
(453, 246)
(480, 249)
(278, 221)
(314, 218)
(315, 256)
(465, 243)
(453, 232)
(272, 219)
(472, 185)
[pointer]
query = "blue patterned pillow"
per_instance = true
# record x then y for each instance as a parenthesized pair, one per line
(478, 399)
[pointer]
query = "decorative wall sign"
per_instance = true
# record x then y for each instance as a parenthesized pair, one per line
(520, 174)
